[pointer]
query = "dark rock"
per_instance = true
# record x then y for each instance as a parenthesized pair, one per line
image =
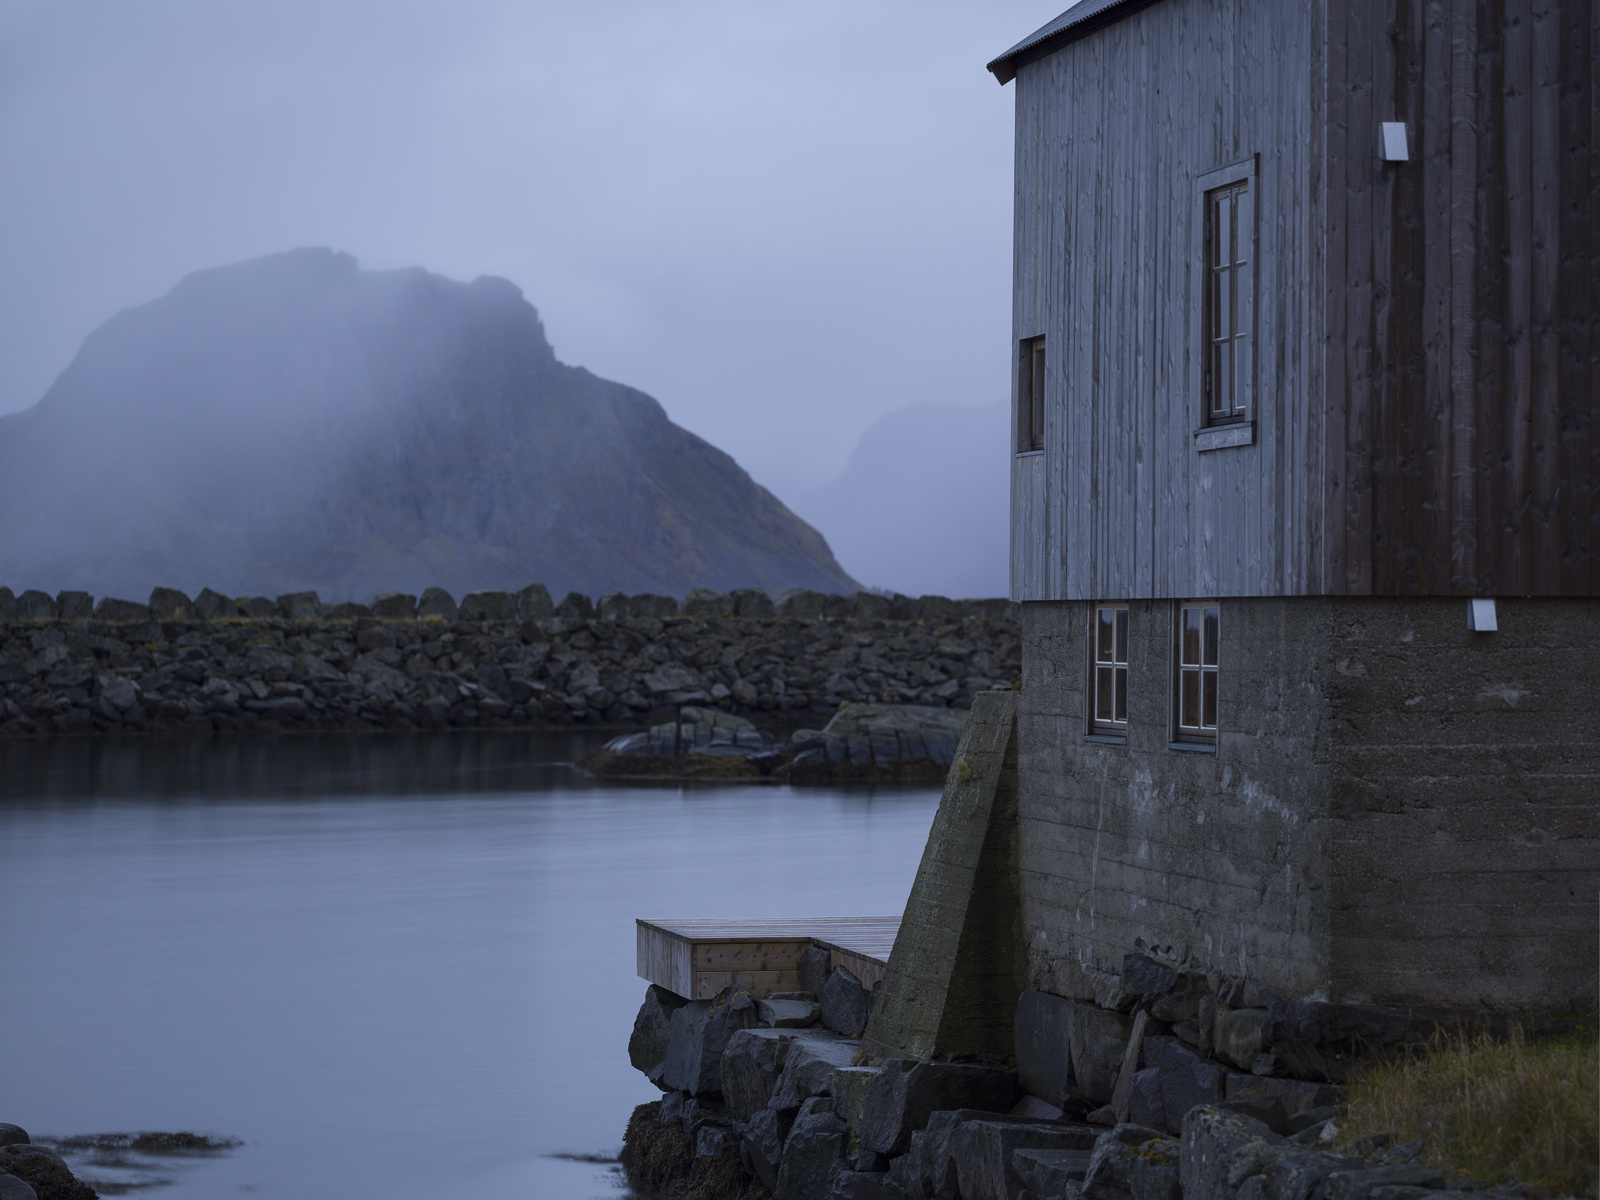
(814, 1055)
(703, 602)
(905, 1093)
(45, 1171)
(488, 606)
(929, 1159)
(813, 1154)
(214, 606)
(816, 964)
(864, 1185)
(1237, 1035)
(671, 1111)
(36, 606)
(1187, 1080)
(711, 1140)
(983, 1153)
(1144, 1099)
(74, 606)
(1364, 1182)
(1266, 1109)
(869, 606)
(1154, 1170)
(1043, 1043)
(786, 1013)
(436, 603)
(575, 606)
(764, 1135)
(652, 1028)
(1111, 1165)
(752, 1064)
(845, 1003)
(299, 606)
(1311, 1118)
(394, 606)
(698, 1035)
(848, 1089)
(120, 612)
(648, 607)
(13, 1135)
(1318, 1040)
(800, 604)
(1221, 1150)
(750, 603)
(534, 603)
(1098, 1039)
(258, 608)
(12, 1188)
(346, 610)
(169, 604)
(1047, 1172)
(8, 604)
(1296, 1095)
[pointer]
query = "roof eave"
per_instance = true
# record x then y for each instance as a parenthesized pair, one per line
(1026, 51)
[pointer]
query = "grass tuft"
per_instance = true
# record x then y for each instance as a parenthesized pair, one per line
(1499, 1111)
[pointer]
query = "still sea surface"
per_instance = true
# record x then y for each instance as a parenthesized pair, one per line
(390, 966)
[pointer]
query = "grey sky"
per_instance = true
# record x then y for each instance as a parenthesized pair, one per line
(782, 221)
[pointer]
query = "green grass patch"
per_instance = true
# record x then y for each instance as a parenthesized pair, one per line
(1497, 1110)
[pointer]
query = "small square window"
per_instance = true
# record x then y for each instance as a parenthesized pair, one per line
(1108, 677)
(1198, 629)
(1030, 395)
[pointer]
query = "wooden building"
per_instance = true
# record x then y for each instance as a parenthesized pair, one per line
(1304, 496)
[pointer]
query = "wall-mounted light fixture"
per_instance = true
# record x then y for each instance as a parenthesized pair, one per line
(1394, 142)
(1480, 616)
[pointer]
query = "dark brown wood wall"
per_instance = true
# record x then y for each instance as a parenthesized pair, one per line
(1464, 299)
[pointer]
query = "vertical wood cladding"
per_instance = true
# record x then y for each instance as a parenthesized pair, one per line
(1464, 292)
(1427, 358)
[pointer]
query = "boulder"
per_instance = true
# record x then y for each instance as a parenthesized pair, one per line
(1296, 1095)
(800, 604)
(750, 603)
(117, 693)
(813, 1153)
(1111, 1164)
(816, 964)
(785, 1013)
(214, 606)
(574, 606)
(1144, 1099)
(698, 1035)
(928, 1159)
(436, 603)
(12, 1188)
(13, 1135)
(864, 1185)
(649, 607)
(44, 1171)
(1187, 1080)
(1046, 1172)
(814, 1055)
(845, 1003)
(905, 1093)
(869, 606)
(533, 603)
(258, 608)
(76, 606)
(1221, 1150)
(346, 610)
(848, 1087)
(983, 1153)
(1043, 1042)
(1237, 1035)
(488, 606)
(752, 1064)
(394, 606)
(1097, 1039)
(764, 1135)
(702, 603)
(8, 604)
(34, 605)
(1153, 1170)
(652, 1028)
(1266, 1109)
(300, 606)
(169, 604)
(122, 612)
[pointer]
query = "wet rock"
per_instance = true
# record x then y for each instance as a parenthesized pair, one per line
(813, 1153)
(752, 1064)
(437, 603)
(764, 1136)
(394, 606)
(652, 1028)
(905, 1093)
(814, 1055)
(488, 606)
(1187, 1080)
(983, 1152)
(121, 612)
(300, 606)
(698, 1035)
(845, 1003)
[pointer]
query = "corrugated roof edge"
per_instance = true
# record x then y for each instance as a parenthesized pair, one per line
(1078, 21)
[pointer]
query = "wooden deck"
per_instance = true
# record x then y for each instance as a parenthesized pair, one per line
(697, 958)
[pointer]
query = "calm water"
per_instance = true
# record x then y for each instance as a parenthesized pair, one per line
(392, 967)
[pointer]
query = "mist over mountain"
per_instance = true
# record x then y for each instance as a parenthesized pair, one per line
(923, 505)
(295, 423)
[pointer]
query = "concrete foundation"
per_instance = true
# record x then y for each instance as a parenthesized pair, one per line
(1397, 810)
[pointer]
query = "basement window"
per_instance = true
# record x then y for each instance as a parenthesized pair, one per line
(1108, 678)
(1030, 395)
(1197, 631)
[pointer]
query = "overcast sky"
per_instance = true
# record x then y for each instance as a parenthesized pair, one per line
(780, 220)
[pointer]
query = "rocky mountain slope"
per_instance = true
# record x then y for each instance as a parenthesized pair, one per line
(294, 423)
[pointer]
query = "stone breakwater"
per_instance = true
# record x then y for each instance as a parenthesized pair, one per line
(69, 664)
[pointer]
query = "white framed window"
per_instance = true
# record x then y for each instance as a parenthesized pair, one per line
(1197, 631)
(1108, 669)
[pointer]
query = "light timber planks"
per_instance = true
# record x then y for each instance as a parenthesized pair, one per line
(696, 957)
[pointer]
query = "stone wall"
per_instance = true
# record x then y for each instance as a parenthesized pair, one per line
(1397, 810)
(174, 665)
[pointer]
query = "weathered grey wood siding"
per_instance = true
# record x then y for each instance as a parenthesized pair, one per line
(1464, 298)
(1113, 131)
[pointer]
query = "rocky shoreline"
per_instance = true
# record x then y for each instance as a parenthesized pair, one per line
(217, 665)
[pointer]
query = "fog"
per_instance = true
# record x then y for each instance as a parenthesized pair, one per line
(782, 223)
